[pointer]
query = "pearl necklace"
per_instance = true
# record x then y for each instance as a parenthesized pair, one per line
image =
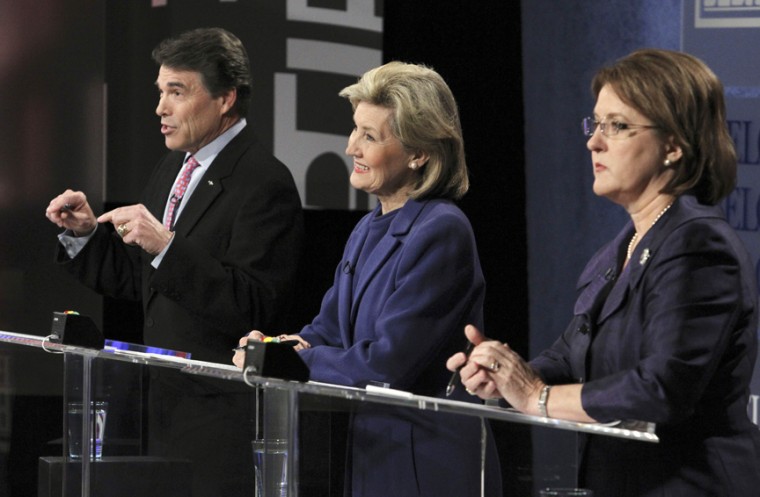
(635, 236)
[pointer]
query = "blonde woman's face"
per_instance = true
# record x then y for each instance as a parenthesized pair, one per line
(380, 162)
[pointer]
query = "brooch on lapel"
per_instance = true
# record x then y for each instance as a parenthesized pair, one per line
(645, 254)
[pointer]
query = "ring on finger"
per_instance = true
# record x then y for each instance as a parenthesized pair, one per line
(122, 230)
(495, 366)
(469, 391)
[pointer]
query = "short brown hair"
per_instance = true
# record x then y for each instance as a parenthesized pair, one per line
(219, 57)
(684, 99)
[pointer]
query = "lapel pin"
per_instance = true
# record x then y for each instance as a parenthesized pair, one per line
(210, 183)
(644, 256)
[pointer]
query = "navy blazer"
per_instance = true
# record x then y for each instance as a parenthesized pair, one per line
(672, 339)
(396, 322)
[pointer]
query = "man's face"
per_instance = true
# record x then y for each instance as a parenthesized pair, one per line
(190, 116)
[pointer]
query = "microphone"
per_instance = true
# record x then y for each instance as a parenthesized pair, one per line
(348, 268)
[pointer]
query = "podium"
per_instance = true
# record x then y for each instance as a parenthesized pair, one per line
(289, 417)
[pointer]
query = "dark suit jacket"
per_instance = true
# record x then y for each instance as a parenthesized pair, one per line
(396, 321)
(230, 269)
(671, 340)
(231, 265)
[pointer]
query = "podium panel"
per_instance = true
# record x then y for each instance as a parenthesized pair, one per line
(118, 476)
(163, 424)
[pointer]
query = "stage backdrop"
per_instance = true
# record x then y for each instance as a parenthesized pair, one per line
(302, 54)
(726, 37)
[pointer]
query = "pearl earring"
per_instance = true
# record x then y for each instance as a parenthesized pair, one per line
(667, 163)
(413, 166)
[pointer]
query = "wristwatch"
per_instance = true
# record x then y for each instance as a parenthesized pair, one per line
(542, 400)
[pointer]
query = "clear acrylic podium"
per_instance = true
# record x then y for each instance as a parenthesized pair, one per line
(300, 417)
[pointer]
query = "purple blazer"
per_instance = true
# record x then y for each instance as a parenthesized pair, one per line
(672, 339)
(396, 321)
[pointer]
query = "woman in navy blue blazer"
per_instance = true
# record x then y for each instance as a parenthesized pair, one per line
(409, 280)
(665, 323)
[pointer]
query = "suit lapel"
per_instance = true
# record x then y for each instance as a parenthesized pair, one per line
(210, 185)
(380, 254)
(154, 199)
(161, 184)
(593, 282)
(354, 247)
(204, 194)
(646, 250)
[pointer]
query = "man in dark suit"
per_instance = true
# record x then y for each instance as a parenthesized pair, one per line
(211, 251)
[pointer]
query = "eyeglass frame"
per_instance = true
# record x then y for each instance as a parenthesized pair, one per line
(616, 125)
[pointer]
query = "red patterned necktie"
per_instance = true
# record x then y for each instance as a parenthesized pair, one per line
(179, 191)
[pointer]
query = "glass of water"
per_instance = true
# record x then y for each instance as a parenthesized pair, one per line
(75, 415)
(270, 461)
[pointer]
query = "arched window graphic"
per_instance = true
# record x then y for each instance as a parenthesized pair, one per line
(327, 184)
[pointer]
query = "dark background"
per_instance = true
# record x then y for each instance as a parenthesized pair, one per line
(476, 47)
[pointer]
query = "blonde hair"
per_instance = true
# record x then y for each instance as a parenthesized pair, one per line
(425, 118)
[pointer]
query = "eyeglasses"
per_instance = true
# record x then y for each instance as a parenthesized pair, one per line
(609, 128)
